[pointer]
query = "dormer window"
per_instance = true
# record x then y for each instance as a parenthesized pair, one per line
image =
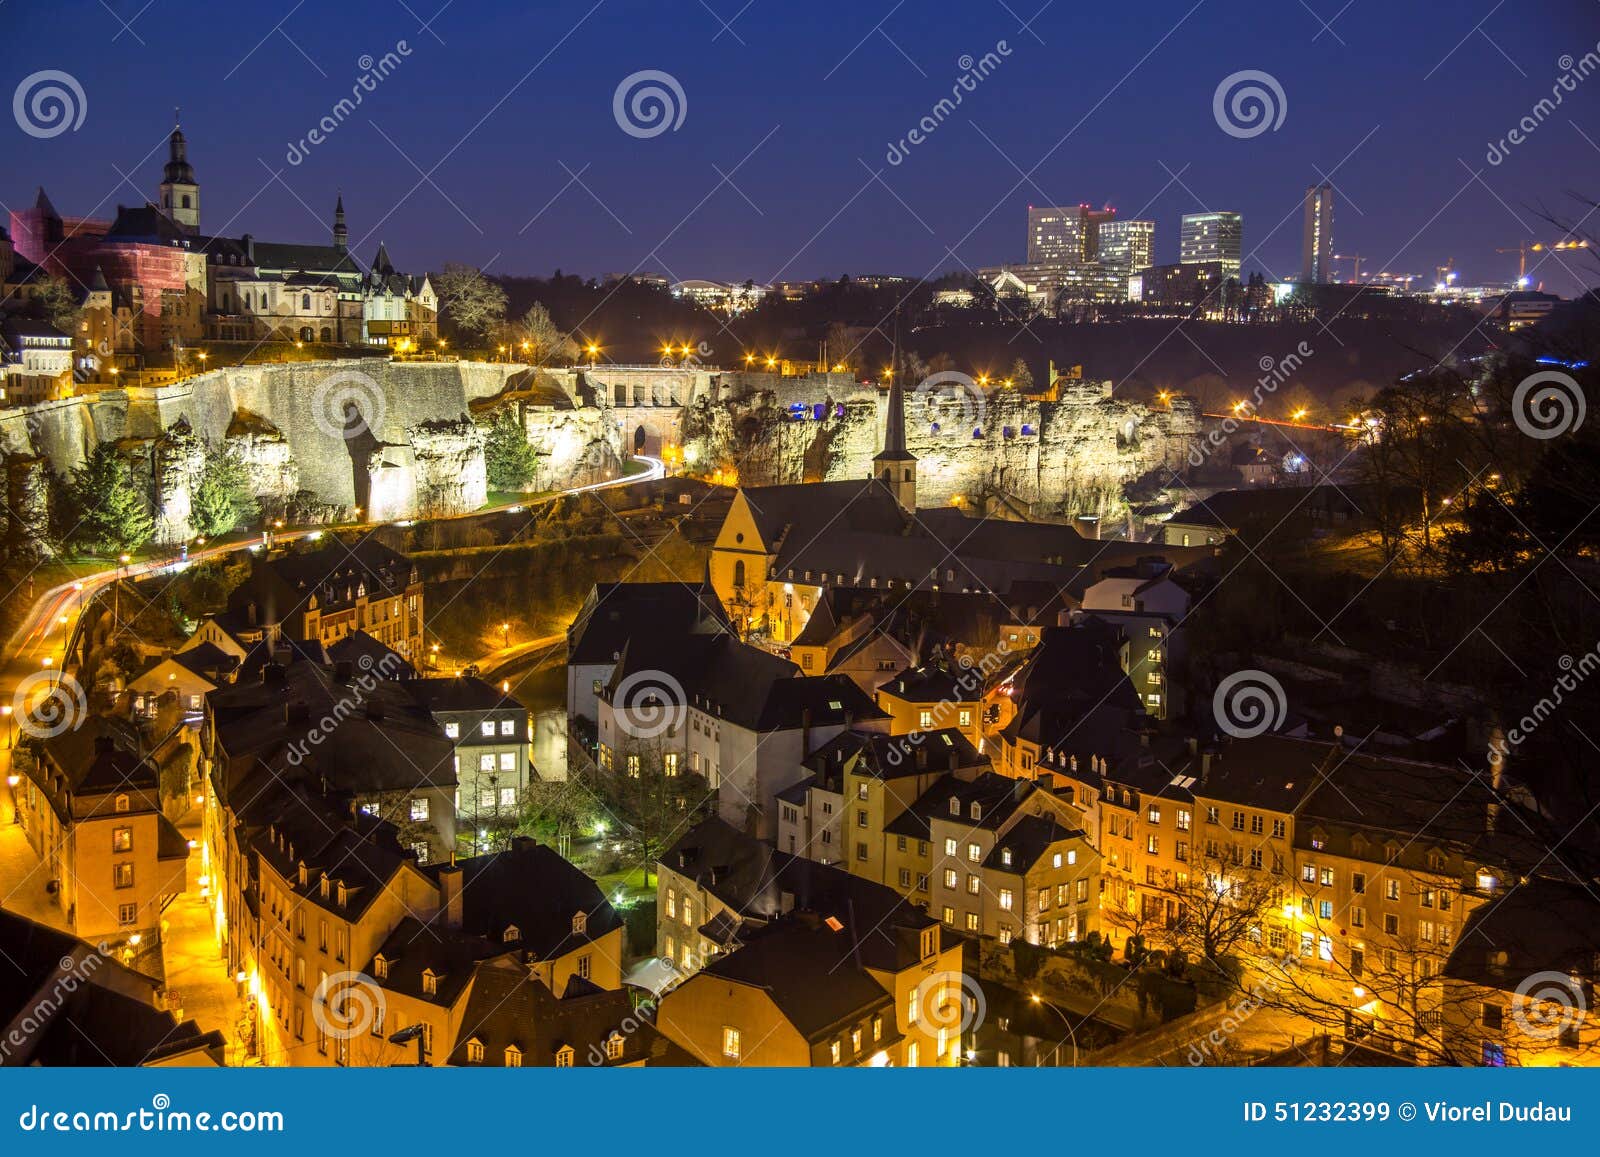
(303, 875)
(474, 1051)
(322, 887)
(977, 810)
(430, 982)
(344, 894)
(380, 966)
(513, 1057)
(614, 1044)
(580, 921)
(955, 806)
(120, 803)
(564, 1056)
(511, 935)
(1005, 856)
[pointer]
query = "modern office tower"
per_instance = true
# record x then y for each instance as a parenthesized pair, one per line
(1125, 247)
(1208, 237)
(1316, 262)
(1055, 233)
(1064, 234)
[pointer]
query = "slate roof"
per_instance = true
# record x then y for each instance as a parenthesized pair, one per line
(106, 1018)
(1539, 926)
(810, 973)
(745, 685)
(507, 1007)
(1027, 841)
(615, 612)
(761, 884)
(533, 888)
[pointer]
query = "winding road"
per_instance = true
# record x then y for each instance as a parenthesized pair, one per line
(45, 633)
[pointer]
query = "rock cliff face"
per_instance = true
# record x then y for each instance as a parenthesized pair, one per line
(177, 460)
(420, 451)
(447, 457)
(27, 512)
(1070, 456)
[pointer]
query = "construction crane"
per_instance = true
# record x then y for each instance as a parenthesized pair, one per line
(1355, 268)
(1444, 275)
(1523, 248)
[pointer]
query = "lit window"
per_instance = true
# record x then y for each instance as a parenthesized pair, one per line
(731, 1042)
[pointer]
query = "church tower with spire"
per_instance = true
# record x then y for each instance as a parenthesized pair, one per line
(894, 465)
(341, 232)
(180, 192)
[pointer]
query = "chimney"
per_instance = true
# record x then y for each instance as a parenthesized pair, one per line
(1205, 766)
(1498, 750)
(251, 611)
(450, 895)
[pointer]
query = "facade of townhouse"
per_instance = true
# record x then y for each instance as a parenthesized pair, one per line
(91, 810)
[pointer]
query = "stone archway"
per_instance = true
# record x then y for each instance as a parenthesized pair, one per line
(639, 440)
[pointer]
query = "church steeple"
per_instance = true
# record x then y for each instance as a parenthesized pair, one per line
(894, 464)
(180, 192)
(341, 233)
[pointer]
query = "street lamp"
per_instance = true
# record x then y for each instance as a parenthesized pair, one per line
(415, 1032)
(1072, 1035)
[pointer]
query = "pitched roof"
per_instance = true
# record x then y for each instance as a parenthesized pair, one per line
(760, 883)
(1540, 926)
(93, 1012)
(508, 1009)
(532, 888)
(810, 972)
(615, 612)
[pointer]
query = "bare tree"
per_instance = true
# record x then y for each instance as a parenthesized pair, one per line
(473, 303)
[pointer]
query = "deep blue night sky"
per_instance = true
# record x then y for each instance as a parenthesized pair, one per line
(805, 99)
